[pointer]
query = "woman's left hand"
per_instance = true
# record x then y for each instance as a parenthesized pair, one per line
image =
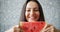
(48, 28)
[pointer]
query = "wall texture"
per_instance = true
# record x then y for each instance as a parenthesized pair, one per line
(10, 12)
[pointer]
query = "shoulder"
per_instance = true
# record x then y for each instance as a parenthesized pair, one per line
(11, 29)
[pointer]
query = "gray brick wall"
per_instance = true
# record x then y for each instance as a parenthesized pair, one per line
(10, 12)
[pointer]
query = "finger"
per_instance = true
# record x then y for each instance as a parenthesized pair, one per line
(16, 29)
(48, 26)
(45, 26)
(50, 29)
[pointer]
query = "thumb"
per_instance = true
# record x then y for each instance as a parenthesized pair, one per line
(16, 29)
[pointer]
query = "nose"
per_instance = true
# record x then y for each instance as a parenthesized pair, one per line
(32, 12)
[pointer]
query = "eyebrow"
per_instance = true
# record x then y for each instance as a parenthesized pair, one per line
(33, 8)
(36, 8)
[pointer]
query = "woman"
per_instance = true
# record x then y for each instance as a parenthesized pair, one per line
(38, 9)
(32, 11)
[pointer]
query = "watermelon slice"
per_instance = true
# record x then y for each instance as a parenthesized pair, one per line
(32, 26)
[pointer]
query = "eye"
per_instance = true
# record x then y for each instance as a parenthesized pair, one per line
(28, 10)
(36, 10)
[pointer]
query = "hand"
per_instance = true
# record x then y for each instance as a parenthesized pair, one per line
(48, 28)
(18, 29)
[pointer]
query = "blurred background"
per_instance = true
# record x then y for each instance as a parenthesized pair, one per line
(10, 12)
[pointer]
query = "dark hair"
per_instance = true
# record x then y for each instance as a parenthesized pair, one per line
(22, 16)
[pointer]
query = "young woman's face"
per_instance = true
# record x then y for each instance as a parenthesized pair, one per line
(32, 11)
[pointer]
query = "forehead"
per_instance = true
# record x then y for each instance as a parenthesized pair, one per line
(32, 4)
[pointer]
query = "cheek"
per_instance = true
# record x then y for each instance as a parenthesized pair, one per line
(37, 15)
(26, 14)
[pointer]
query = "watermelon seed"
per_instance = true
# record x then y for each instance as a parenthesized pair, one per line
(31, 30)
(41, 23)
(34, 27)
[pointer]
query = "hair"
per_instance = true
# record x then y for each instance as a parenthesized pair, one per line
(22, 16)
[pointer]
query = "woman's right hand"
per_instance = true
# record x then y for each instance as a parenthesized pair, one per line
(18, 29)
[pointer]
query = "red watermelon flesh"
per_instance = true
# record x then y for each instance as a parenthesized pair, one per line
(32, 26)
